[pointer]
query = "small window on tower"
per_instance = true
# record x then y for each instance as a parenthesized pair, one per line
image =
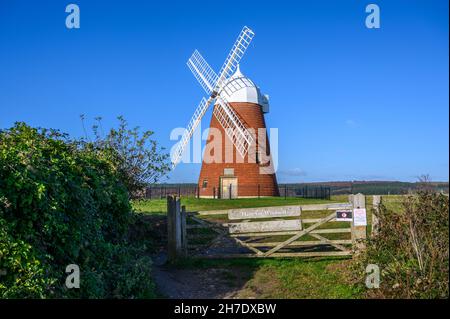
(205, 183)
(228, 171)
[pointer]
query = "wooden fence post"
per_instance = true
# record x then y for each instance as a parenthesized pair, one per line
(174, 230)
(375, 215)
(359, 223)
(183, 231)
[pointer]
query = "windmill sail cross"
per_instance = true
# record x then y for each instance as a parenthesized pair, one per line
(213, 85)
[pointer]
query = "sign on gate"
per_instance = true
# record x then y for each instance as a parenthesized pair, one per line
(360, 218)
(344, 215)
(264, 212)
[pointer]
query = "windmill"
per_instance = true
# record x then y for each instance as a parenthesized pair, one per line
(217, 91)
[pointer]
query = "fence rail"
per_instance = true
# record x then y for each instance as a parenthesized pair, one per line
(250, 228)
(286, 191)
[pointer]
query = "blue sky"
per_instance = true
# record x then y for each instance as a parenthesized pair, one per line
(349, 102)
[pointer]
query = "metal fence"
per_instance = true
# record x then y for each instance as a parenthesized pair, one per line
(285, 191)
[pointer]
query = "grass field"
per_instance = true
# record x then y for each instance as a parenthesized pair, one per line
(275, 278)
(195, 204)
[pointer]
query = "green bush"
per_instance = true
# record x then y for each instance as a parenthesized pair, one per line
(62, 202)
(412, 248)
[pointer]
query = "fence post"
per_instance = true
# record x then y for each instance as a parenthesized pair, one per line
(285, 191)
(259, 191)
(375, 215)
(183, 231)
(230, 190)
(359, 223)
(174, 230)
(214, 192)
(198, 191)
(179, 191)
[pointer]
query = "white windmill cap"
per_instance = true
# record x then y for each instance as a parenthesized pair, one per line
(239, 88)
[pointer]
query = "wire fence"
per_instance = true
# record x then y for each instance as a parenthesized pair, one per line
(286, 191)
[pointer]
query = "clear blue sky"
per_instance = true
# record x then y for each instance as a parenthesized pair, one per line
(349, 102)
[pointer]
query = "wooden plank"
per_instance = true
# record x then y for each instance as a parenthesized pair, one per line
(268, 226)
(252, 248)
(359, 232)
(317, 231)
(193, 226)
(300, 234)
(332, 231)
(285, 255)
(304, 221)
(184, 243)
(303, 243)
(213, 212)
(330, 242)
(316, 220)
(264, 212)
(331, 206)
(174, 231)
(213, 226)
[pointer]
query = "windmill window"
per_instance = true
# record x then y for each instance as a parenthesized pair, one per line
(205, 183)
(228, 171)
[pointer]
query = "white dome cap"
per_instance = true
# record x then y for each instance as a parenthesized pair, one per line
(239, 88)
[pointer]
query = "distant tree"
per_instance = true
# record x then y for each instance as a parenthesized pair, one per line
(138, 158)
(424, 182)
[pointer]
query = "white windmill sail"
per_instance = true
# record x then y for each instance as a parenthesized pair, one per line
(235, 56)
(207, 78)
(233, 126)
(213, 84)
(204, 74)
(193, 123)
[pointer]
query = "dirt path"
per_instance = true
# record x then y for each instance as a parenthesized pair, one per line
(215, 283)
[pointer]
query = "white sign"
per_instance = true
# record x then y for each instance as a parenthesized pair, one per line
(269, 226)
(359, 217)
(264, 212)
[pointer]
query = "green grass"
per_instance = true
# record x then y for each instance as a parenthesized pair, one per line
(286, 278)
(194, 204)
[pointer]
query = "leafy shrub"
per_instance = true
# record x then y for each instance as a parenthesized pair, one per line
(137, 157)
(412, 248)
(63, 202)
(22, 274)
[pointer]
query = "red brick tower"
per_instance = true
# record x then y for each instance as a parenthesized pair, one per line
(224, 172)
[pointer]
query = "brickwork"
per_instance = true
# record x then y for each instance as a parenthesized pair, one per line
(247, 170)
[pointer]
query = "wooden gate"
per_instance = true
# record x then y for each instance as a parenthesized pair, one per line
(285, 231)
